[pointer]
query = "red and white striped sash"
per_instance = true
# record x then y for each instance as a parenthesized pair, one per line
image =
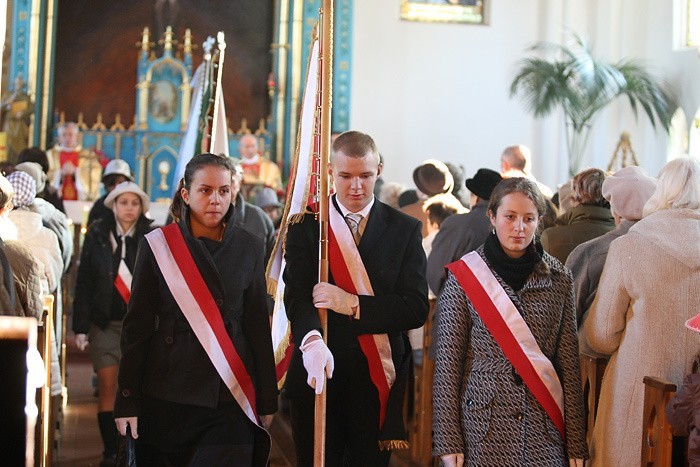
(349, 274)
(512, 334)
(197, 304)
(122, 282)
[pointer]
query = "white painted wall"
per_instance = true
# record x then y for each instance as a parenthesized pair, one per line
(425, 90)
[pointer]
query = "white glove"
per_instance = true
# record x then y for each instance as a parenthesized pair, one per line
(133, 422)
(317, 358)
(81, 341)
(334, 298)
(453, 460)
(575, 462)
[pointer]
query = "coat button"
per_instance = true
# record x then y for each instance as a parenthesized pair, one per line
(126, 393)
(519, 416)
(470, 402)
(219, 302)
(169, 340)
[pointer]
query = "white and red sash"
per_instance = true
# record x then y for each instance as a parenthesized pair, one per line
(512, 334)
(194, 298)
(122, 281)
(350, 275)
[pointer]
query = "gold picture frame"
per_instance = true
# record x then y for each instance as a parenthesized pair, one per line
(445, 11)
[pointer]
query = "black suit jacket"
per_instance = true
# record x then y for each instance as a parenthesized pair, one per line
(393, 256)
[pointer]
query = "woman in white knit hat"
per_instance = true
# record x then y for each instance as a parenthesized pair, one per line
(102, 292)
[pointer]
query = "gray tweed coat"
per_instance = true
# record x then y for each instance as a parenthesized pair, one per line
(481, 406)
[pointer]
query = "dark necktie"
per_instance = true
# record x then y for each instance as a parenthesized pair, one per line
(354, 221)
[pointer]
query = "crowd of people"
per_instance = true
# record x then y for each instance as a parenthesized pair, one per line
(524, 278)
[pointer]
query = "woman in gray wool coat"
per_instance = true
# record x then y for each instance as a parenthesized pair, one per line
(507, 387)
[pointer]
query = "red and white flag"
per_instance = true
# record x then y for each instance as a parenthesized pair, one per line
(301, 193)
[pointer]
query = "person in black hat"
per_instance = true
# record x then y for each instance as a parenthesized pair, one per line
(462, 233)
(432, 178)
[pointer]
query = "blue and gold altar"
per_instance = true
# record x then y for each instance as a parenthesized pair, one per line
(151, 143)
(150, 139)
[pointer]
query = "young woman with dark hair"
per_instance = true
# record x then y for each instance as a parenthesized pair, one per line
(197, 377)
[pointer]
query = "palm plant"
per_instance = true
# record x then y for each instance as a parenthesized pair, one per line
(582, 86)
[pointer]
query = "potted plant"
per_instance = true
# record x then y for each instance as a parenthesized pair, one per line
(582, 86)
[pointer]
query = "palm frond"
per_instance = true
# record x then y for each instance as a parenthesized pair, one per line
(655, 97)
(583, 85)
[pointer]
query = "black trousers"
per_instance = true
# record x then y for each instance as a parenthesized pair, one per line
(352, 421)
(172, 434)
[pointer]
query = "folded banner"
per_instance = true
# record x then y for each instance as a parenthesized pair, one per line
(512, 334)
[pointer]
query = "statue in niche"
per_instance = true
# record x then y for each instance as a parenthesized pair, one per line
(17, 109)
(163, 101)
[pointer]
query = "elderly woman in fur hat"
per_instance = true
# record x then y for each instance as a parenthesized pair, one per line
(102, 292)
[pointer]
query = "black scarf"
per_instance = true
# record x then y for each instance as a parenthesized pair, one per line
(514, 271)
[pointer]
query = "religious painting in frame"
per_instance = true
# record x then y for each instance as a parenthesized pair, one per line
(445, 11)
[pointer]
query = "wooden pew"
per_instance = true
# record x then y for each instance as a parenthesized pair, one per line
(592, 370)
(657, 438)
(421, 428)
(45, 432)
(17, 398)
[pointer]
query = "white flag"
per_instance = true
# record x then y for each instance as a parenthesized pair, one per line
(298, 194)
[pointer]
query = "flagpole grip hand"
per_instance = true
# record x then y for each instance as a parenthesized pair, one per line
(334, 298)
(317, 360)
(122, 423)
(81, 341)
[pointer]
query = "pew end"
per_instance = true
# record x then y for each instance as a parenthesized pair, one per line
(18, 336)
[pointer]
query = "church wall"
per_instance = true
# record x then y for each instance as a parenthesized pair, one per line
(431, 90)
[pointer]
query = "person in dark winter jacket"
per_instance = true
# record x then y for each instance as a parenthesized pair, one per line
(588, 219)
(102, 292)
(197, 383)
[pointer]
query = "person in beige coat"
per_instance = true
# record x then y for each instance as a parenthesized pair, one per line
(650, 281)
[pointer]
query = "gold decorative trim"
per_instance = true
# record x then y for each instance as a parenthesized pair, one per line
(282, 50)
(297, 41)
(33, 61)
(48, 56)
(393, 444)
(454, 11)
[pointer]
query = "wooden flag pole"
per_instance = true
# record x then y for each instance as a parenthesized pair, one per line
(326, 91)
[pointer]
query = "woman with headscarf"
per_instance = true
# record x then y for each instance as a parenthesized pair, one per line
(31, 230)
(650, 281)
(102, 292)
(507, 387)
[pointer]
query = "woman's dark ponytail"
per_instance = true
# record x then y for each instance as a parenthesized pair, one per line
(176, 205)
